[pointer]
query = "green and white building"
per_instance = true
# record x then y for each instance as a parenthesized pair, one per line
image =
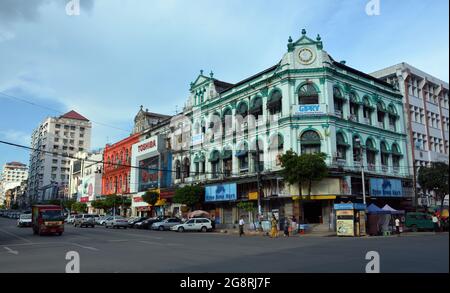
(307, 102)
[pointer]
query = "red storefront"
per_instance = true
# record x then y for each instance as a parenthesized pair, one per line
(116, 166)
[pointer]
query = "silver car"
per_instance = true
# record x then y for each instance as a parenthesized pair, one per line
(116, 222)
(84, 220)
(24, 220)
(166, 224)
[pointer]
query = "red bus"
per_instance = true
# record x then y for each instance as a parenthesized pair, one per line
(47, 219)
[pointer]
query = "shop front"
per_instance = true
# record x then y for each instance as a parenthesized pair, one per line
(90, 189)
(139, 208)
(350, 219)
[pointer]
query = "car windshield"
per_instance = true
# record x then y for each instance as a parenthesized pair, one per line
(26, 216)
(52, 215)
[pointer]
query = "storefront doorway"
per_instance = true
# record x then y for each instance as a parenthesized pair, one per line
(313, 212)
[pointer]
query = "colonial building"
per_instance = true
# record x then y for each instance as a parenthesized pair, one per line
(426, 106)
(308, 103)
(145, 120)
(13, 175)
(53, 142)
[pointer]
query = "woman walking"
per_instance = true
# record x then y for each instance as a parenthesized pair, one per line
(274, 231)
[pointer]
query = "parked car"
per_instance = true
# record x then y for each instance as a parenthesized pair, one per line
(134, 221)
(419, 221)
(116, 222)
(84, 220)
(70, 219)
(147, 224)
(166, 224)
(24, 220)
(197, 224)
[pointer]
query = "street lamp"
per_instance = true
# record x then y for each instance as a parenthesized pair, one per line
(361, 159)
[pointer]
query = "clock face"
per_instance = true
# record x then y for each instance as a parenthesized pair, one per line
(306, 56)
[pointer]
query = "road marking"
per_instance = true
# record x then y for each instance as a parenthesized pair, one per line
(85, 247)
(151, 243)
(15, 252)
(14, 235)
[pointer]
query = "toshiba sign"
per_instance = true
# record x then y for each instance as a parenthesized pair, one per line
(147, 146)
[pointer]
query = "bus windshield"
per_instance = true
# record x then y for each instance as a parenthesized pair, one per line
(52, 215)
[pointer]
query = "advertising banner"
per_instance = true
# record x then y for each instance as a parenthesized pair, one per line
(314, 109)
(221, 192)
(385, 187)
(148, 173)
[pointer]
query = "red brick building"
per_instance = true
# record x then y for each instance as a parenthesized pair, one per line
(116, 166)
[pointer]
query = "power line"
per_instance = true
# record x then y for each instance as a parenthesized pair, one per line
(54, 110)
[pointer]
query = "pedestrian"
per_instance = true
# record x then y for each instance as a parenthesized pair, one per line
(397, 226)
(286, 227)
(213, 223)
(294, 225)
(241, 226)
(435, 223)
(274, 230)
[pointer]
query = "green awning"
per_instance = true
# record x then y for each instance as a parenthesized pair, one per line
(274, 99)
(256, 105)
(241, 153)
(199, 158)
(214, 157)
(226, 154)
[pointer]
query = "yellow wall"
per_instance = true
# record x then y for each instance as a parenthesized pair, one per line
(328, 186)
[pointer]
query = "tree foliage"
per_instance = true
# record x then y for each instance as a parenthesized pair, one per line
(79, 207)
(189, 195)
(151, 197)
(435, 178)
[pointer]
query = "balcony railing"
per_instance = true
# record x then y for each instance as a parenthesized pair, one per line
(371, 167)
(392, 128)
(384, 168)
(396, 170)
(381, 124)
(357, 164)
(353, 118)
(367, 121)
(338, 113)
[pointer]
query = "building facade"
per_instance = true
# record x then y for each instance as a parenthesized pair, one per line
(307, 103)
(54, 141)
(426, 106)
(12, 176)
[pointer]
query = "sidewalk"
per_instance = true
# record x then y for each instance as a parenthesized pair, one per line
(280, 233)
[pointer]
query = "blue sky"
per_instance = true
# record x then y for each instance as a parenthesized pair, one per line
(117, 55)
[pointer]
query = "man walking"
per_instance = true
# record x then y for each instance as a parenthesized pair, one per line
(435, 223)
(241, 226)
(397, 226)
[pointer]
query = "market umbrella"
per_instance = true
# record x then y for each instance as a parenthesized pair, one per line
(391, 210)
(374, 209)
(198, 213)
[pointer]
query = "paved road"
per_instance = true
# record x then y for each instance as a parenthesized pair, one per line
(107, 250)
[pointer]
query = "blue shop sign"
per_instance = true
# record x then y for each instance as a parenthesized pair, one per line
(221, 192)
(310, 109)
(385, 187)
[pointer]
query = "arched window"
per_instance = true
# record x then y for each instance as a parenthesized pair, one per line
(384, 156)
(338, 99)
(308, 95)
(242, 155)
(257, 151)
(357, 146)
(107, 186)
(393, 116)
(381, 113)
(371, 152)
(177, 169)
(242, 109)
(186, 168)
(341, 146)
(125, 183)
(396, 157)
(310, 142)
(367, 110)
(119, 185)
(227, 159)
(256, 107)
(127, 156)
(354, 107)
(214, 159)
(227, 119)
(274, 104)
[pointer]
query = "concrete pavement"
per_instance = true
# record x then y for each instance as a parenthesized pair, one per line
(107, 250)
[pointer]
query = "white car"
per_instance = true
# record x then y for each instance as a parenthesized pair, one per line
(198, 224)
(116, 222)
(24, 220)
(70, 219)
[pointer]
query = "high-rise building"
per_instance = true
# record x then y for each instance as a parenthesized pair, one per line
(13, 174)
(426, 106)
(53, 142)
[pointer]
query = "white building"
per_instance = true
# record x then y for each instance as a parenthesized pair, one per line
(85, 179)
(426, 105)
(13, 174)
(54, 141)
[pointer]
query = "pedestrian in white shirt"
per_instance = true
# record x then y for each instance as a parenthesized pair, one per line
(241, 226)
(397, 226)
(436, 223)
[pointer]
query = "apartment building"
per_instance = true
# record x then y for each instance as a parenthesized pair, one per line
(13, 174)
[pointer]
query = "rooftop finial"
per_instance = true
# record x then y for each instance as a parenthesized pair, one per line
(201, 71)
(211, 74)
(318, 38)
(290, 39)
(303, 32)
(142, 107)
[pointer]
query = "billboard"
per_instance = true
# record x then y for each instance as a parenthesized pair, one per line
(221, 192)
(313, 109)
(148, 173)
(385, 187)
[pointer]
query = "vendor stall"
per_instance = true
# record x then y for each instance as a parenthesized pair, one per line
(350, 219)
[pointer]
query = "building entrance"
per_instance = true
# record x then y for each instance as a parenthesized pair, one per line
(313, 212)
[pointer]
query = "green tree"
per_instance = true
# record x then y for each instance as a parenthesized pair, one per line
(303, 169)
(190, 195)
(79, 207)
(249, 207)
(435, 178)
